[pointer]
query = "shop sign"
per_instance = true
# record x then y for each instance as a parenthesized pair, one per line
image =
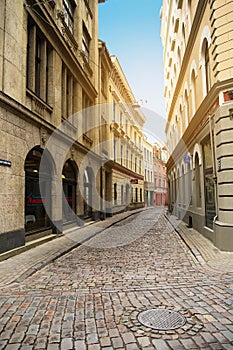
(134, 181)
(33, 201)
(5, 162)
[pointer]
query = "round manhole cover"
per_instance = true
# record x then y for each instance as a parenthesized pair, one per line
(161, 319)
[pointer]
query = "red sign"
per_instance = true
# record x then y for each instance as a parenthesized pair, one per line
(134, 181)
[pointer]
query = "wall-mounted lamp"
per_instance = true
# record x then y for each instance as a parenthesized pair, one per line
(231, 113)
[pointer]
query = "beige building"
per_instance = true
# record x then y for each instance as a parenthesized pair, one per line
(48, 74)
(198, 66)
(121, 140)
(160, 157)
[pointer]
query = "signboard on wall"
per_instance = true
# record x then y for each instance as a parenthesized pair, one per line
(5, 162)
(134, 181)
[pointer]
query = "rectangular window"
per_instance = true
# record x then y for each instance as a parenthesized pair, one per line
(127, 159)
(122, 194)
(114, 111)
(115, 194)
(39, 62)
(140, 194)
(68, 10)
(121, 120)
(86, 113)
(68, 91)
(86, 42)
(210, 207)
(103, 81)
(115, 150)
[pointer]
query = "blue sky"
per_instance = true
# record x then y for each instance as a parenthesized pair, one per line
(131, 30)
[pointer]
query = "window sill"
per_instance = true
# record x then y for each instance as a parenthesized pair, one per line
(38, 105)
(69, 124)
(87, 139)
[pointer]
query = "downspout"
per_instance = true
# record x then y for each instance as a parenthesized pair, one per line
(212, 144)
(3, 48)
(100, 130)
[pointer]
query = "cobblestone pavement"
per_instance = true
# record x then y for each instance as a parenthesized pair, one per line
(94, 297)
(204, 249)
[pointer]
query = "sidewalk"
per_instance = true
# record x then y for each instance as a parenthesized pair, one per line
(18, 267)
(203, 249)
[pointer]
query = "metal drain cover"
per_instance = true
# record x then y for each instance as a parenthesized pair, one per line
(161, 319)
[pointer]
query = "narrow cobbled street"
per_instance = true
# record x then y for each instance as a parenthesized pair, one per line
(135, 285)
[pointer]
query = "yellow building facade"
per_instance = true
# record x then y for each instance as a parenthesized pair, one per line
(198, 68)
(49, 80)
(122, 139)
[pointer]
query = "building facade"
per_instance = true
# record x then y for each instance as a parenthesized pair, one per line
(198, 66)
(122, 139)
(48, 77)
(70, 146)
(160, 175)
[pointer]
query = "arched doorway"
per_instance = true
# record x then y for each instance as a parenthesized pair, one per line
(36, 217)
(69, 182)
(87, 193)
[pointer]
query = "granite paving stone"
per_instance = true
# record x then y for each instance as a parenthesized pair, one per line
(90, 297)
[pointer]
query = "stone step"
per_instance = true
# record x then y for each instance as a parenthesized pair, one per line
(29, 245)
(36, 235)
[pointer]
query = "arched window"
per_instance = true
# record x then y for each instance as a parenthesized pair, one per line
(183, 182)
(69, 182)
(193, 91)
(207, 65)
(183, 38)
(189, 14)
(186, 108)
(189, 184)
(177, 129)
(181, 120)
(179, 59)
(178, 188)
(175, 71)
(88, 176)
(37, 189)
(171, 143)
(204, 58)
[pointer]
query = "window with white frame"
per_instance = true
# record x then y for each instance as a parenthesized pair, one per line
(86, 39)
(39, 62)
(68, 10)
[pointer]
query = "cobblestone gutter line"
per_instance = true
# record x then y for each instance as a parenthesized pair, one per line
(21, 266)
(203, 249)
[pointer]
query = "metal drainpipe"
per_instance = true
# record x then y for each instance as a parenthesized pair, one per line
(101, 168)
(212, 143)
(3, 48)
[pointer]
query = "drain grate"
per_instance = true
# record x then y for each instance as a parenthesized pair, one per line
(161, 319)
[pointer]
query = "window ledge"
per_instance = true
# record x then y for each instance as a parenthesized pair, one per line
(69, 124)
(87, 139)
(38, 105)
